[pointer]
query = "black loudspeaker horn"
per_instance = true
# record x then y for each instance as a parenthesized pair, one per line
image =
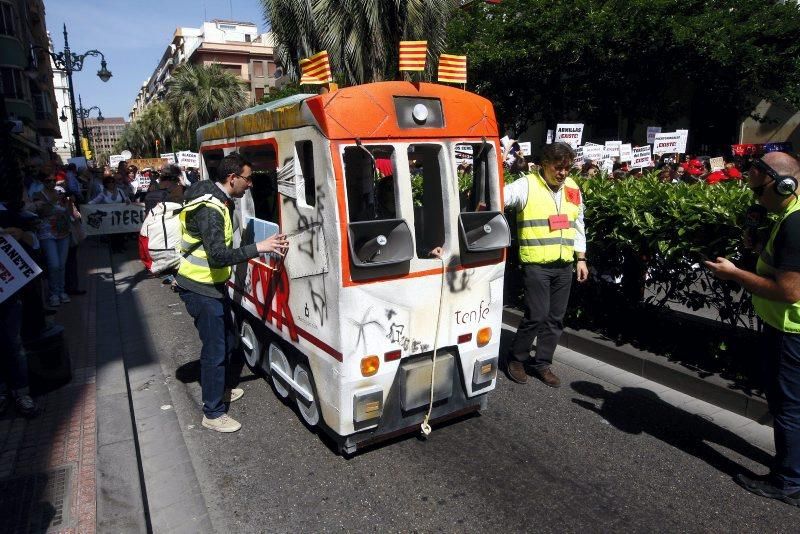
(482, 231)
(385, 242)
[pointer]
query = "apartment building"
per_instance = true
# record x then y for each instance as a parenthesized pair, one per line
(103, 135)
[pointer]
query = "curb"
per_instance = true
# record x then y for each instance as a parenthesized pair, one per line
(712, 389)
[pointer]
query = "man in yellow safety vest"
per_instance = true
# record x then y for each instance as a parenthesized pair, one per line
(552, 239)
(775, 289)
(207, 226)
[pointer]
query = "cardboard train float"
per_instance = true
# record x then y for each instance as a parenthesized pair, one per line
(387, 307)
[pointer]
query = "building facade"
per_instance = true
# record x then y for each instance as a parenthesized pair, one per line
(26, 78)
(103, 135)
(65, 146)
(236, 46)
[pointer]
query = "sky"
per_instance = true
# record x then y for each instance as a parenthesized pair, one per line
(133, 35)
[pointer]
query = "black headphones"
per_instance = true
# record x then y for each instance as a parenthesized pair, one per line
(785, 185)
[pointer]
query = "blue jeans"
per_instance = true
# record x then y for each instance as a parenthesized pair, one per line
(55, 253)
(212, 319)
(13, 363)
(782, 366)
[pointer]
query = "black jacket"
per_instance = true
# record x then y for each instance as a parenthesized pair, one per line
(207, 224)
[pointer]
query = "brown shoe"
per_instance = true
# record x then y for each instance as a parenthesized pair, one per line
(516, 372)
(548, 377)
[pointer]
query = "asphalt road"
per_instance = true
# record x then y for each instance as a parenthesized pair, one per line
(586, 457)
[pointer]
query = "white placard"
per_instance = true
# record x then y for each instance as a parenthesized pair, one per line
(189, 159)
(593, 152)
(570, 134)
(549, 140)
(16, 267)
(625, 152)
(525, 148)
(612, 148)
(169, 156)
(641, 157)
(717, 164)
(578, 161)
(651, 133)
(684, 139)
(463, 154)
(607, 166)
(114, 160)
(100, 219)
(667, 143)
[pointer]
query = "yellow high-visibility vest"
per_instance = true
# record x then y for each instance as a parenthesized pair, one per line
(537, 243)
(194, 260)
(784, 316)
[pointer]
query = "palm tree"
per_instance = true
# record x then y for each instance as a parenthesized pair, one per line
(362, 36)
(199, 94)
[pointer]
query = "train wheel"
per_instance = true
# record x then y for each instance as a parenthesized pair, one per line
(305, 398)
(279, 365)
(251, 347)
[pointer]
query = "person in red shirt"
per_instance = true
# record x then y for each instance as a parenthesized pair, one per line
(730, 172)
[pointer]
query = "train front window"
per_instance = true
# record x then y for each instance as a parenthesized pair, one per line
(425, 167)
(370, 181)
(476, 174)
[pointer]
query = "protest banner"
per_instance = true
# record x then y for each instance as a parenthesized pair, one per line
(625, 152)
(463, 154)
(578, 161)
(189, 159)
(667, 143)
(717, 164)
(641, 157)
(525, 148)
(145, 163)
(169, 156)
(101, 219)
(16, 267)
(684, 140)
(570, 134)
(114, 160)
(651, 134)
(593, 152)
(612, 148)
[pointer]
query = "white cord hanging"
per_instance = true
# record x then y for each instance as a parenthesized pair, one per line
(425, 427)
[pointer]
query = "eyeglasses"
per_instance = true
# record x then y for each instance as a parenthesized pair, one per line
(247, 179)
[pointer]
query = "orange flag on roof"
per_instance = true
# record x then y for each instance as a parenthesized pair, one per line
(452, 69)
(413, 55)
(316, 70)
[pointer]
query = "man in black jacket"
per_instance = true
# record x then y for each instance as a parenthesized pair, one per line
(207, 226)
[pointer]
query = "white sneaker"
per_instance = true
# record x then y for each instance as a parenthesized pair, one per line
(64, 298)
(225, 423)
(53, 301)
(233, 395)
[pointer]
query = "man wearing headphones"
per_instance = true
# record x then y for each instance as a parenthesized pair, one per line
(775, 289)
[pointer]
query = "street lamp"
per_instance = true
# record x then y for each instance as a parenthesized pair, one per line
(69, 63)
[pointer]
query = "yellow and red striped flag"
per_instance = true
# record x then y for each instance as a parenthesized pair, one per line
(452, 69)
(413, 55)
(316, 70)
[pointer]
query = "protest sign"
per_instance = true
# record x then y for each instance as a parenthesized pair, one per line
(684, 139)
(651, 133)
(578, 161)
(625, 152)
(16, 267)
(612, 148)
(114, 160)
(593, 152)
(717, 164)
(101, 219)
(463, 154)
(144, 163)
(607, 166)
(525, 148)
(169, 156)
(570, 134)
(641, 157)
(189, 159)
(667, 143)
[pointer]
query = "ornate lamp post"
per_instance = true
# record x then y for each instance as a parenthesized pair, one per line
(70, 62)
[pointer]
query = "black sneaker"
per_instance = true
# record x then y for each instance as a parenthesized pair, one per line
(766, 487)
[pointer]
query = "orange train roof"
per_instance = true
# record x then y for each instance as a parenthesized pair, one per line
(362, 111)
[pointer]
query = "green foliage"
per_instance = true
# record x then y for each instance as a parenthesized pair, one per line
(656, 235)
(600, 60)
(362, 37)
(283, 92)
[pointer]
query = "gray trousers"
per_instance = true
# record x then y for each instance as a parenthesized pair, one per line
(546, 296)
